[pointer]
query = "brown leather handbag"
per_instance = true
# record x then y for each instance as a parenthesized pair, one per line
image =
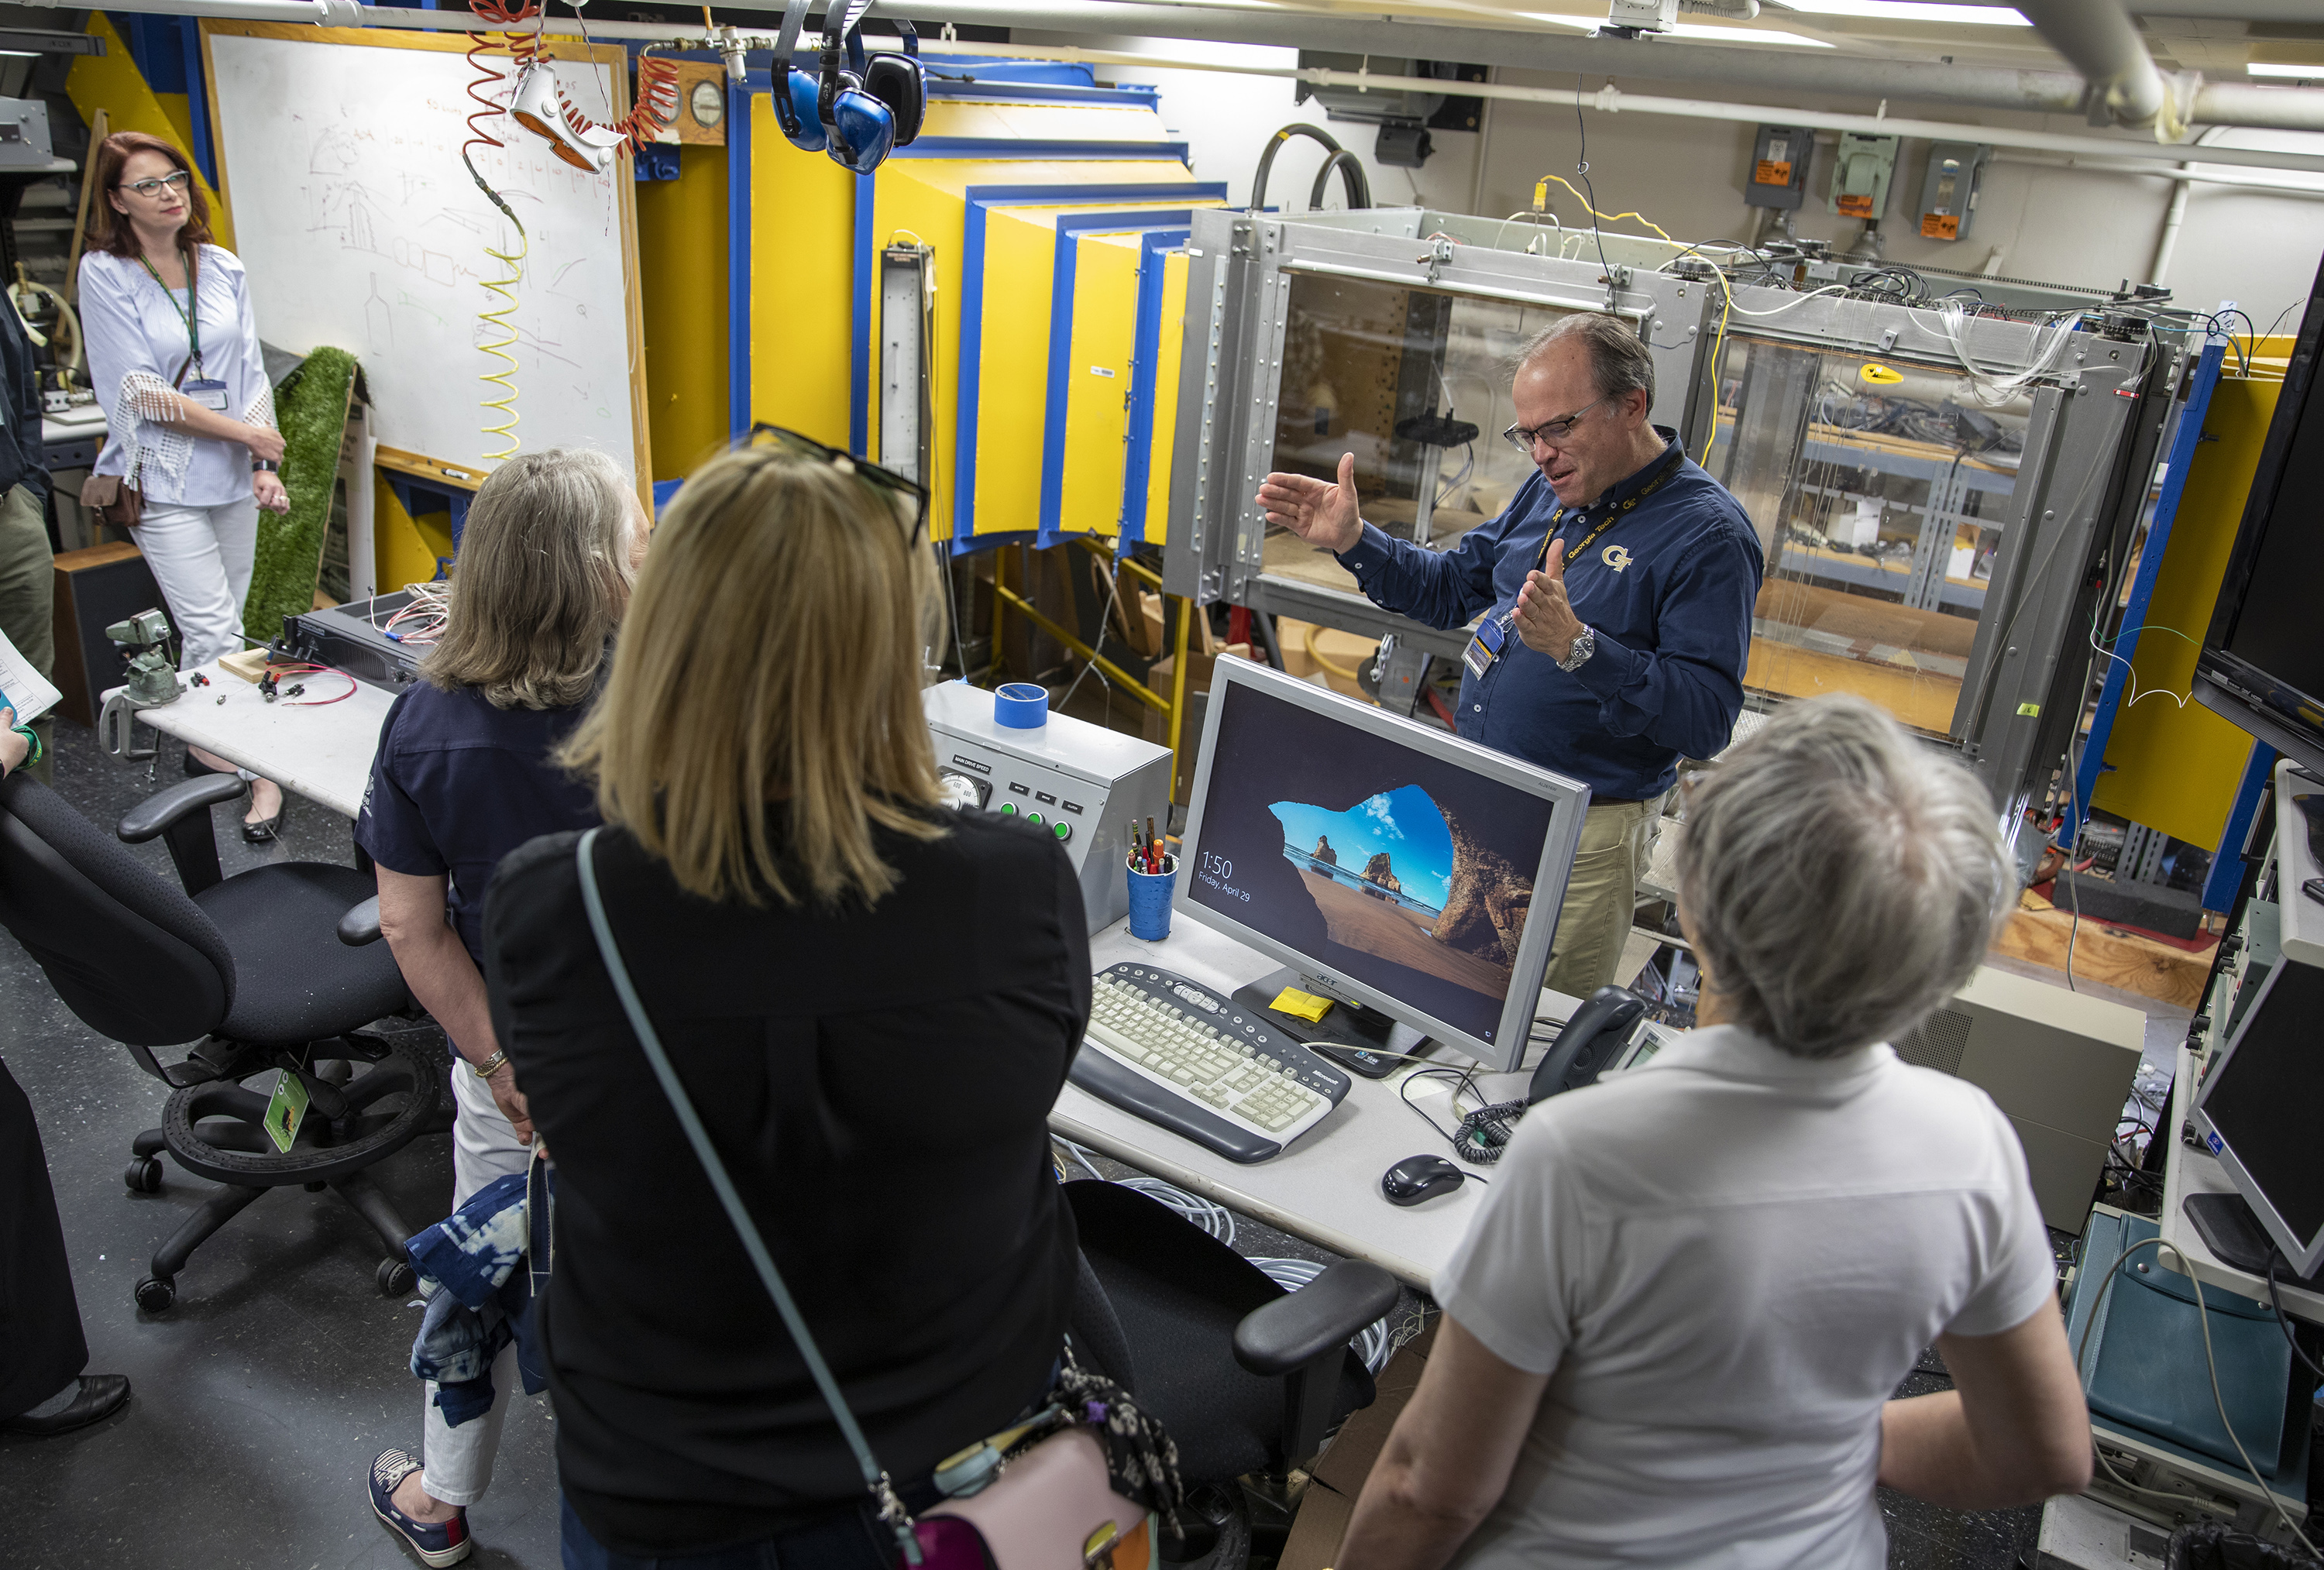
(118, 500)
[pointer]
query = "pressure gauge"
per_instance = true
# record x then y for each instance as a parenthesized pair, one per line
(708, 102)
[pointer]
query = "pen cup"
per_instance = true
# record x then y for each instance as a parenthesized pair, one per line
(1149, 900)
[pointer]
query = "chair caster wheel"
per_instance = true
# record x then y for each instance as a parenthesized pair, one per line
(155, 1296)
(314, 1188)
(144, 1175)
(395, 1278)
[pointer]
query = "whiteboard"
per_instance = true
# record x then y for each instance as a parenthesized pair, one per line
(339, 160)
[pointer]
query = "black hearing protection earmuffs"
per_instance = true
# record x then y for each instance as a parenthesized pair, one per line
(858, 111)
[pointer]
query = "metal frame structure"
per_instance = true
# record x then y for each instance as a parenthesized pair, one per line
(2096, 416)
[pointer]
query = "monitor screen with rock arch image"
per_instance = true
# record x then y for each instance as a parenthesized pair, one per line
(1397, 865)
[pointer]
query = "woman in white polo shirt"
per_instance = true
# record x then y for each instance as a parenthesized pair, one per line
(1672, 1333)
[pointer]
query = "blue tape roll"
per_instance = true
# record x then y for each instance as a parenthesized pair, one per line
(1021, 706)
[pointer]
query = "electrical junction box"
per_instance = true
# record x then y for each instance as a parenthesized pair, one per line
(1644, 15)
(1860, 174)
(24, 134)
(1086, 786)
(1948, 189)
(1780, 156)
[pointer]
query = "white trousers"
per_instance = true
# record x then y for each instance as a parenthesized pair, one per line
(201, 557)
(459, 1461)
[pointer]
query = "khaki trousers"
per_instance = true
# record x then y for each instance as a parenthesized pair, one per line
(28, 597)
(1618, 839)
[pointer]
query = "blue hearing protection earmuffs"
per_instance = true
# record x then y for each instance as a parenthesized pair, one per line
(860, 111)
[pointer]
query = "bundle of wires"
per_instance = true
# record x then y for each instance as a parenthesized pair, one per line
(292, 697)
(1374, 1344)
(420, 621)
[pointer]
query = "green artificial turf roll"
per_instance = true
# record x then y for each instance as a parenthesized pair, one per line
(311, 407)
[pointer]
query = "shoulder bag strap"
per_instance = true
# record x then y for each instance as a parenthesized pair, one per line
(883, 1494)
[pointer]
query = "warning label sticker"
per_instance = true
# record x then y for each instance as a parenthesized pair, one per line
(1772, 172)
(1940, 227)
(1855, 206)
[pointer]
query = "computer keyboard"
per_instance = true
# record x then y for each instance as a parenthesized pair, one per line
(1166, 1049)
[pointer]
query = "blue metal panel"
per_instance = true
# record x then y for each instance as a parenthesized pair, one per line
(1070, 226)
(738, 247)
(979, 200)
(859, 356)
(197, 98)
(2227, 874)
(966, 544)
(1138, 460)
(2183, 441)
(986, 70)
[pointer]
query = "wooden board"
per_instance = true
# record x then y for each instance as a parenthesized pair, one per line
(1918, 699)
(338, 156)
(2104, 953)
(1854, 616)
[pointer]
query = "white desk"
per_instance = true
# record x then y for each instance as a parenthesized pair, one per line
(1325, 1188)
(322, 751)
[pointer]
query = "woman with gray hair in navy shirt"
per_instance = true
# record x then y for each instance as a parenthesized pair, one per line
(463, 776)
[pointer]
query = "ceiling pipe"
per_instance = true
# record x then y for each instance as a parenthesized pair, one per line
(2101, 42)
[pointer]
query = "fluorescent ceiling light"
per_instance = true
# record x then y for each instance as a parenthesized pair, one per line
(1693, 30)
(1913, 11)
(2258, 68)
(1746, 35)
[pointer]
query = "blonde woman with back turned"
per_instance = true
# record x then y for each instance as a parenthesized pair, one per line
(873, 1000)
(464, 775)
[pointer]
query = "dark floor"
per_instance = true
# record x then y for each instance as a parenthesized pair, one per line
(262, 1397)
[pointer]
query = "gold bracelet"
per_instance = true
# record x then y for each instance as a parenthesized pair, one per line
(490, 1066)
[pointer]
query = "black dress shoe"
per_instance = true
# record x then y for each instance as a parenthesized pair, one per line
(263, 831)
(100, 1396)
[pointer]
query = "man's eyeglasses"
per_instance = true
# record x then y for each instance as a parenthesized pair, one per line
(1554, 430)
(150, 188)
(885, 480)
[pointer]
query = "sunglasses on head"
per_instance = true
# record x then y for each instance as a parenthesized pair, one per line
(886, 482)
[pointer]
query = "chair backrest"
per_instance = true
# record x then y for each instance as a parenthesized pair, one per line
(128, 952)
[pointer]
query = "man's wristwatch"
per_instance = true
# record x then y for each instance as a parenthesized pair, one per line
(1584, 645)
(268, 464)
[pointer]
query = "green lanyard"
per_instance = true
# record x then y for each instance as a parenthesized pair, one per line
(1613, 515)
(192, 315)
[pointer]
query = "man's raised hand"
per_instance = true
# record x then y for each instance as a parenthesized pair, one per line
(1321, 513)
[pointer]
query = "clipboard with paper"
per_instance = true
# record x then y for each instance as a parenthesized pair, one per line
(22, 688)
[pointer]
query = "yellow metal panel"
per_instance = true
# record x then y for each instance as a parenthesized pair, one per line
(405, 548)
(802, 282)
(1096, 392)
(682, 275)
(2176, 768)
(924, 198)
(1169, 354)
(949, 117)
(110, 81)
(1012, 370)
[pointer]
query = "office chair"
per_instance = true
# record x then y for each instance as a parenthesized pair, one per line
(1246, 1377)
(276, 967)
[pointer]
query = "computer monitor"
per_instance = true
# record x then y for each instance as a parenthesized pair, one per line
(2261, 1111)
(1386, 863)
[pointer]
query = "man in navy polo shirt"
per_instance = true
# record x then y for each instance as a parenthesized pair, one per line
(1618, 590)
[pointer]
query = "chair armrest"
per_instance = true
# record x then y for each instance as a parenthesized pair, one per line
(360, 925)
(182, 814)
(1295, 1330)
(157, 813)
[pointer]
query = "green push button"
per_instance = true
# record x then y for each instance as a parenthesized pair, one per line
(1065, 831)
(1008, 809)
(1034, 818)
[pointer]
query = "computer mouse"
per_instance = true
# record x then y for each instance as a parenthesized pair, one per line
(1418, 1178)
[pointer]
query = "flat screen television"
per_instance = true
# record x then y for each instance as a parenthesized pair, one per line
(2262, 665)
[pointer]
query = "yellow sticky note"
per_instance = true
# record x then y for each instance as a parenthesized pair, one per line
(2029, 711)
(1301, 1004)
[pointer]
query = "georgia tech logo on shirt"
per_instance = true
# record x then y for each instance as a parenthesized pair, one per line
(1615, 557)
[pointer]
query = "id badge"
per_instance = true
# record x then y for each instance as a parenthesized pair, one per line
(1486, 647)
(209, 394)
(286, 1108)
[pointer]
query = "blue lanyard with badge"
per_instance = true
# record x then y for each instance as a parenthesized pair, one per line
(1492, 637)
(209, 393)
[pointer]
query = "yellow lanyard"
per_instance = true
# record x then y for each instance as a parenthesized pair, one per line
(1613, 515)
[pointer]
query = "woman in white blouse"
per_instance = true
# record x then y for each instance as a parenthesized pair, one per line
(173, 356)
